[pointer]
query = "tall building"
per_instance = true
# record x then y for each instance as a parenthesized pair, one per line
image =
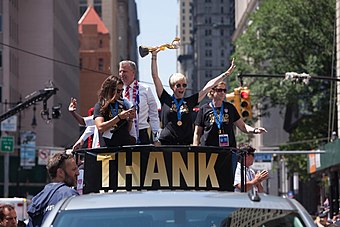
(205, 27)
(39, 49)
(95, 58)
(120, 18)
(185, 32)
(40, 44)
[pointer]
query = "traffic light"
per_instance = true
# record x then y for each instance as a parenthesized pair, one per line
(234, 98)
(245, 103)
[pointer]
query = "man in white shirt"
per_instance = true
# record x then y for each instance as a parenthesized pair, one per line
(140, 95)
(251, 179)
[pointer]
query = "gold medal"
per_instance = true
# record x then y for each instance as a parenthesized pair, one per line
(179, 123)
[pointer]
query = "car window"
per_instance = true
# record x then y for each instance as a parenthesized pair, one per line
(178, 216)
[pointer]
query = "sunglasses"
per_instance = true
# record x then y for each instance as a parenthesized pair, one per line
(220, 90)
(181, 85)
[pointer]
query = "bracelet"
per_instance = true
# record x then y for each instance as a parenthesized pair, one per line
(154, 58)
(254, 131)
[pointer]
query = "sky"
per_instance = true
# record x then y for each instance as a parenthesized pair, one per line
(157, 21)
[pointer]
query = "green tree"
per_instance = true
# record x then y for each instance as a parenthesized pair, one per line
(291, 36)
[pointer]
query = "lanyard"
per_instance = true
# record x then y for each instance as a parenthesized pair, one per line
(135, 100)
(115, 110)
(218, 120)
(178, 106)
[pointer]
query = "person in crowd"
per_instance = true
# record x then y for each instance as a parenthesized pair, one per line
(8, 216)
(88, 121)
(114, 115)
(252, 179)
(214, 124)
(140, 95)
(177, 109)
(63, 171)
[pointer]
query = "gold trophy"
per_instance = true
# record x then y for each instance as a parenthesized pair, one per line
(143, 50)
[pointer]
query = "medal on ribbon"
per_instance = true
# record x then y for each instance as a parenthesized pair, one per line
(178, 107)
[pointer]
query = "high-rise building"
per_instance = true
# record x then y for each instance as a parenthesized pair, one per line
(95, 58)
(185, 33)
(120, 18)
(40, 44)
(39, 49)
(206, 28)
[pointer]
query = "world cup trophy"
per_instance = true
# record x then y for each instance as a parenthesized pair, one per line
(143, 50)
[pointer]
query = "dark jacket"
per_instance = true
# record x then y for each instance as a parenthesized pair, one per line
(45, 200)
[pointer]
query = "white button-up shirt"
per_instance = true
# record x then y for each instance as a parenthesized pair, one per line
(147, 107)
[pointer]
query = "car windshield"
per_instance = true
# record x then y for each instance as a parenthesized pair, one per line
(178, 217)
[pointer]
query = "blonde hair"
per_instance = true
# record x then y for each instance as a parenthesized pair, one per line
(211, 92)
(175, 77)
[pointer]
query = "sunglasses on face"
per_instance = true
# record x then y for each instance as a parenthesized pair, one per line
(220, 90)
(181, 85)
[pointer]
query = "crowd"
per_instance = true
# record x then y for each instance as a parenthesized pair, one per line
(126, 112)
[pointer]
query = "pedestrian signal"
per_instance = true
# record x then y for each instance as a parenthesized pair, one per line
(245, 103)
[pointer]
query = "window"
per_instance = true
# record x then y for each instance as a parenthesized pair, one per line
(100, 43)
(100, 64)
(82, 7)
(98, 7)
(208, 53)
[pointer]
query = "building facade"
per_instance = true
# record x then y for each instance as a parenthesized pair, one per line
(40, 49)
(95, 58)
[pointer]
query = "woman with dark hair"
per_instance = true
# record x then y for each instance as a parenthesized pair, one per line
(113, 115)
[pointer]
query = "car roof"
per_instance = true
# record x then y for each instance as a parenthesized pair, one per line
(175, 199)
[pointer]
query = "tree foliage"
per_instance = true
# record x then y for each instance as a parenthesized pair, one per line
(291, 36)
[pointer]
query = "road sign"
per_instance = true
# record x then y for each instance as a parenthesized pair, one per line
(7, 144)
(262, 161)
(10, 124)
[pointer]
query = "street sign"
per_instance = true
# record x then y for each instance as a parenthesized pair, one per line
(10, 124)
(7, 143)
(262, 161)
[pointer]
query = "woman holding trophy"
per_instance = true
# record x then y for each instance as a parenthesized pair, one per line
(176, 109)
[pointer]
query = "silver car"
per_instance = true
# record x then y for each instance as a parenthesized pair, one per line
(178, 208)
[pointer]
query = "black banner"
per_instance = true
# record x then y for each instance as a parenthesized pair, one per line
(162, 167)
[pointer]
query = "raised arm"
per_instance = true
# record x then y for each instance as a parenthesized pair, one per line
(213, 82)
(72, 109)
(154, 72)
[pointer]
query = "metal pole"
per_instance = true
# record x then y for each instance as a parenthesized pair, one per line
(6, 167)
(338, 62)
(6, 173)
